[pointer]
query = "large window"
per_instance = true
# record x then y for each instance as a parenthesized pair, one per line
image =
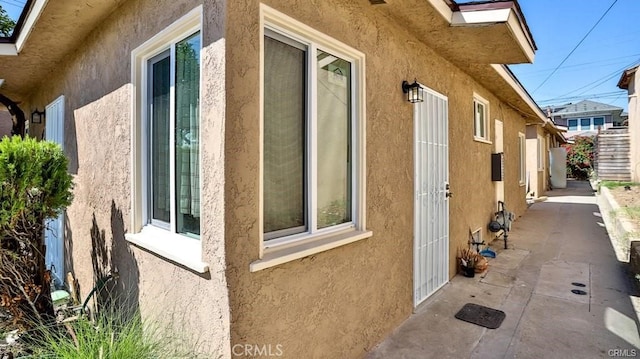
(313, 139)
(307, 138)
(480, 115)
(166, 143)
(573, 124)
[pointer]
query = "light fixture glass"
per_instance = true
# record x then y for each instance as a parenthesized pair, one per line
(414, 91)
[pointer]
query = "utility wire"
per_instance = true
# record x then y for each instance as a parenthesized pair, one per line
(576, 47)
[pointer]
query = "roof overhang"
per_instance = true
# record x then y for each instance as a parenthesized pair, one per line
(490, 32)
(623, 83)
(46, 32)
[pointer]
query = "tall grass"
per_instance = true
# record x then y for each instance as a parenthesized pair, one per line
(110, 336)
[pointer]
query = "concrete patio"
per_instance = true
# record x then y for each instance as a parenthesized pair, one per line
(557, 242)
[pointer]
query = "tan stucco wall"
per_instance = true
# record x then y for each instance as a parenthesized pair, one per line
(96, 83)
(340, 303)
(634, 126)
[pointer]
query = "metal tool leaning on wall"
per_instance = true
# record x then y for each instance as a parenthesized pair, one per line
(502, 222)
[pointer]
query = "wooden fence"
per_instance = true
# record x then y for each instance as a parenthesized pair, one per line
(612, 155)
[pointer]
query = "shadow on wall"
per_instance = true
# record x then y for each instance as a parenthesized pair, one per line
(6, 123)
(114, 258)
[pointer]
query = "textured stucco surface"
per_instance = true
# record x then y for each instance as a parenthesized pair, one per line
(338, 303)
(96, 82)
(341, 302)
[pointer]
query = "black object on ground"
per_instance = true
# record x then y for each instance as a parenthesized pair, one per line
(481, 315)
(578, 292)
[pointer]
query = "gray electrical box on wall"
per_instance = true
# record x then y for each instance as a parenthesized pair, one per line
(497, 166)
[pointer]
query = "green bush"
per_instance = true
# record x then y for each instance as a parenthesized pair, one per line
(34, 186)
(580, 156)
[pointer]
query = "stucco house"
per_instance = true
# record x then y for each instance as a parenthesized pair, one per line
(543, 143)
(290, 174)
(630, 82)
(584, 118)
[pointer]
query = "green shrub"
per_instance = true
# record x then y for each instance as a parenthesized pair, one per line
(34, 186)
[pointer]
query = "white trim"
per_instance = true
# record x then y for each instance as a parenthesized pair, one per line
(477, 17)
(477, 99)
(8, 50)
(181, 249)
(279, 250)
(307, 248)
(27, 26)
(522, 158)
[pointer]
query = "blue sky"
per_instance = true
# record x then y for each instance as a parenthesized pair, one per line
(591, 72)
(13, 7)
(595, 67)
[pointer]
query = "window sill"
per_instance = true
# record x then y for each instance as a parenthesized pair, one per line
(176, 248)
(480, 139)
(283, 254)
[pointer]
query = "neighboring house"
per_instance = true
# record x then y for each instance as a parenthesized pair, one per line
(586, 117)
(542, 140)
(255, 172)
(630, 82)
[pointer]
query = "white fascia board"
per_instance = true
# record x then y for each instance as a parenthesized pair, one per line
(29, 22)
(497, 16)
(479, 17)
(442, 8)
(506, 75)
(8, 50)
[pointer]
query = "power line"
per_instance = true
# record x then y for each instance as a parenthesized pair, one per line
(603, 79)
(574, 49)
(612, 94)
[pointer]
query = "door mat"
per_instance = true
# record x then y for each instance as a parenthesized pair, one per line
(481, 315)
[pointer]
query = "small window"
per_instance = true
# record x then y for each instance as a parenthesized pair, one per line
(481, 115)
(522, 158)
(573, 125)
(598, 122)
(541, 153)
(585, 124)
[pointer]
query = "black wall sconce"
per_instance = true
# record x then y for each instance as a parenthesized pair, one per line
(414, 91)
(37, 116)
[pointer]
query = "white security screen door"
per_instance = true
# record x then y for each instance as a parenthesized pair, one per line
(54, 230)
(431, 223)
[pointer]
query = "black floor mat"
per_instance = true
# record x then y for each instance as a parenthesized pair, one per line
(481, 315)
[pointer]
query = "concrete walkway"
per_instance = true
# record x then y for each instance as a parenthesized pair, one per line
(557, 242)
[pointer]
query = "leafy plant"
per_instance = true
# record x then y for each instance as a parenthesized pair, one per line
(580, 156)
(34, 186)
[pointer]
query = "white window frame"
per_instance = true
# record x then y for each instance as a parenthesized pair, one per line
(478, 124)
(281, 250)
(522, 149)
(541, 153)
(181, 249)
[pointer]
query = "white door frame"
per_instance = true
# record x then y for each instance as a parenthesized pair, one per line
(431, 206)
